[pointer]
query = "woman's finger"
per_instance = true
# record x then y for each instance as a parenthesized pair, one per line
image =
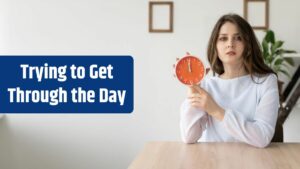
(199, 89)
(198, 99)
(194, 95)
(191, 89)
(197, 104)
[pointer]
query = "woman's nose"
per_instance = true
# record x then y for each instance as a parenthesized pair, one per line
(230, 43)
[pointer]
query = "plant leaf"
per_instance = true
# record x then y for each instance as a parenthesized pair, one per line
(285, 65)
(285, 72)
(278, 61)
(279, 51)
(265, 48)
(290, 61)
(270, 37)
(277, 45)
(276, 68)
(289, 51)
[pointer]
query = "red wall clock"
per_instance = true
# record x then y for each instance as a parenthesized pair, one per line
(190, 70)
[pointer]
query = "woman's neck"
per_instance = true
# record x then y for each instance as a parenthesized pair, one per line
(231, 72)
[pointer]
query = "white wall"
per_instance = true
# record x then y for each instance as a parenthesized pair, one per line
(111, 27)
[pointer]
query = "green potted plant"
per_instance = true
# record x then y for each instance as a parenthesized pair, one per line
(273, 55)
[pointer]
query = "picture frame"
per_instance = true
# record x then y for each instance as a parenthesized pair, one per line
(161, 16)
(256, 12)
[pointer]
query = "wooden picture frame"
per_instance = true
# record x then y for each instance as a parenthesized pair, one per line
(253, 9)
(160, 16)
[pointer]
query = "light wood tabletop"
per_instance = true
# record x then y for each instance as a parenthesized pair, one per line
(177, 155)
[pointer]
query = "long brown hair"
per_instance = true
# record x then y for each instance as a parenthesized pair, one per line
(252, 54)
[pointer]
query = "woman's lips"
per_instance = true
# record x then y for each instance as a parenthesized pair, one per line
(231, 53)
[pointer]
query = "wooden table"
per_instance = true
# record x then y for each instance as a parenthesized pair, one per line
(177, 155)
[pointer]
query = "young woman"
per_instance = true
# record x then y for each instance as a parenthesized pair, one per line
(240, 103)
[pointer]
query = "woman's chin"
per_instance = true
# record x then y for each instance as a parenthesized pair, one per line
(230, 60)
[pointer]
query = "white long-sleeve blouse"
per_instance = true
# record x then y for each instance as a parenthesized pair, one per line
(251, 110)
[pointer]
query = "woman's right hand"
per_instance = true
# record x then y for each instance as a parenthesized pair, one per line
(193, 94)
(200, 98)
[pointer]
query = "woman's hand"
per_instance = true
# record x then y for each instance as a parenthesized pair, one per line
(200, 98)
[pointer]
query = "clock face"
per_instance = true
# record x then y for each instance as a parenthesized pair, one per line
(190, 70)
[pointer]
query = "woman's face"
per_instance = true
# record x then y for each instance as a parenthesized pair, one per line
(230, 45)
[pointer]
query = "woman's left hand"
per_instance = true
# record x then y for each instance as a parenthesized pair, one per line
(203, 100)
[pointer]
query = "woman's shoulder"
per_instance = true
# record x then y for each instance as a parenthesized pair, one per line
(267, 79)
(218, 79)
(206, 81)
(266, 82)
(260, 80)
(210, 81)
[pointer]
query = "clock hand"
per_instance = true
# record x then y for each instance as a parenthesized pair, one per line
(189, 65)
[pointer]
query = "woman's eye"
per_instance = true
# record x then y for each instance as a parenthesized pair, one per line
(239, 38)
(222, 38)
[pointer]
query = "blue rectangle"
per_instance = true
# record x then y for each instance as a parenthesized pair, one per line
(66, 84)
